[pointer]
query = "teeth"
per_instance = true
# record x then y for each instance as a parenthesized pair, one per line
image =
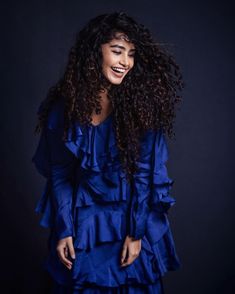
(118, 69)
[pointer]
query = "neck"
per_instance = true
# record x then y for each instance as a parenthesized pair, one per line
(103, 94)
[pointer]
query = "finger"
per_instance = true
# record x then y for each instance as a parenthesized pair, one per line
(66, 261)
(66, 252)
(71, 248)
(130, 259)
(62, 257)
(124, 253)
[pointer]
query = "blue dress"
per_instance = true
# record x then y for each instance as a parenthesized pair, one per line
(87, 196)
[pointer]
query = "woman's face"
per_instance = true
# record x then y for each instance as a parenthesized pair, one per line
(118, 58)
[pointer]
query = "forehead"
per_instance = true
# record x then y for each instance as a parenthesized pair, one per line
(122, 39)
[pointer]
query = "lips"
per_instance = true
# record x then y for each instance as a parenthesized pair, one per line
(117, 74)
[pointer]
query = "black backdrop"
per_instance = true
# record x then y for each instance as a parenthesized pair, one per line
(35, 41)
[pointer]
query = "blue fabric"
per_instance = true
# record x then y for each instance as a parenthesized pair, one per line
(87, 196)
(155, 288)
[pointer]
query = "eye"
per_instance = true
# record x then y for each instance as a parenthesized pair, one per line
(116, 52)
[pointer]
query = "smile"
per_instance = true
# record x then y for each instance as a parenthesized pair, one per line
(118, 69)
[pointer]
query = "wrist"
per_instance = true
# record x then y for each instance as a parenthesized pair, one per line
(133, 238)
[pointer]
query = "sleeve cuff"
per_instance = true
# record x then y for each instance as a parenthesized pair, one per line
(64, 222)
(138, 215)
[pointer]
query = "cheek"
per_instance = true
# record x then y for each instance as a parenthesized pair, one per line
(107, 58)
(132, 63)
(105, 64)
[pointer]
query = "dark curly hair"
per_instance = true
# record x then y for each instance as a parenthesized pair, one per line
(146, 98)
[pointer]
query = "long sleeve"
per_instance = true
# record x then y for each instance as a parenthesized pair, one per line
(151, 184)
(62, 164)
(55, 162)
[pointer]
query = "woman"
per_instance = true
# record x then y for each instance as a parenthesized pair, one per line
(103, 152)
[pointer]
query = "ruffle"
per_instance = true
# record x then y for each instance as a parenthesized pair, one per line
(162, 183)
(62, 221)
(154, 260)
(103, 226)
(95, 188)
(154, 168)
(101, 178)
(95, 147)
(45, 208)
(108, 273)
(109, 225)
(166, 258)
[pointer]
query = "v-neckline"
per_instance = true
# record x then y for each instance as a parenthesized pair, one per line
(103, 121)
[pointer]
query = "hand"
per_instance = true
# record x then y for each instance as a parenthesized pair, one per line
(130, 251)
(65, 247)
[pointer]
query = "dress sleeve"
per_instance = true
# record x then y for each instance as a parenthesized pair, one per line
(55, 162)
(151, 185)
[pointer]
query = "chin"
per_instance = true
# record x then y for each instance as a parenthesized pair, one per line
(115, 81)
(111, 79)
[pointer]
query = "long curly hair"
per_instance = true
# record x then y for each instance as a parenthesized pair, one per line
(146, 98)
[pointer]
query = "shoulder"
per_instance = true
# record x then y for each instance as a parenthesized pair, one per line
(55, 118)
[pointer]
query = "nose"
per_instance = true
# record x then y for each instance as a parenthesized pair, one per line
(124, 61)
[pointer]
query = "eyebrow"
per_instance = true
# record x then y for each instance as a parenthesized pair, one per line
(121, 47)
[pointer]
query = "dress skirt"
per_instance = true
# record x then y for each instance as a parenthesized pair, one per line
(97, 269)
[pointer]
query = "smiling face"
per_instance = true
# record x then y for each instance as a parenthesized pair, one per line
(118, 58)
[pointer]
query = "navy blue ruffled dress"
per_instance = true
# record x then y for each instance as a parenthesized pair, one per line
(88, 197)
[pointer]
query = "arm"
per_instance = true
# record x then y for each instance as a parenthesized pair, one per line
(62, 166)
(55, 162)
(151, 184)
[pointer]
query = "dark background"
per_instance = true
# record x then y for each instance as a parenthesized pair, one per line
(35, 41)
